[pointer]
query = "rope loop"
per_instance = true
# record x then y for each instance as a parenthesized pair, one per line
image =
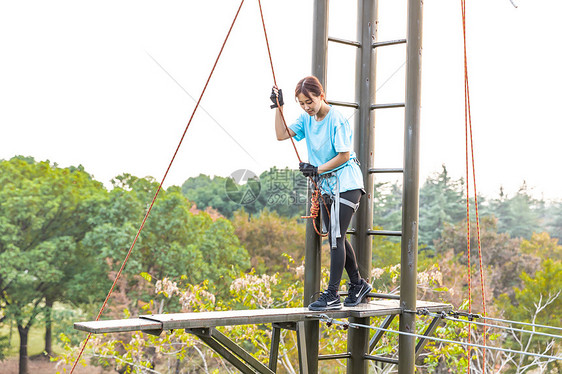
(314, 210)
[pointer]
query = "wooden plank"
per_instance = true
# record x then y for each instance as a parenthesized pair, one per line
(246, 317)
(238, 317)
(119, 325)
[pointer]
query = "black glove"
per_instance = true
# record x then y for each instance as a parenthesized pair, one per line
(308, 170)
(274, 97)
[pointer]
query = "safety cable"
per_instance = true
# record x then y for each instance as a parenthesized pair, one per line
(468, 136)
(158, 190)
(470, 321)
(346, 324)
(522, 323)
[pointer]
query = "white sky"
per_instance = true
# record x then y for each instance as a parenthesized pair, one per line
(87, 83)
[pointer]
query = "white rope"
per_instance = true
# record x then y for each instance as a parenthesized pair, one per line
(423, 313)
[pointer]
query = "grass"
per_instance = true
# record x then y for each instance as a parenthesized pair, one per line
(36, 338)
(35, 343)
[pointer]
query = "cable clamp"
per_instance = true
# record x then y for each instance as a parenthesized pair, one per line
(469, 316)
(423, 312)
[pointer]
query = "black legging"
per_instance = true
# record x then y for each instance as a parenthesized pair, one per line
(343, 256)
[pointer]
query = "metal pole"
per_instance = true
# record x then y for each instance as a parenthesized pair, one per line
(313, 242)
(364, 135)
(410, 199)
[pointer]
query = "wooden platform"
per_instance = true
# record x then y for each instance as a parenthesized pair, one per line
(159, 322)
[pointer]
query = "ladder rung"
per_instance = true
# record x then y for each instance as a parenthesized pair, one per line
(387, 170)
(381, 359)
(375, 295)
(384, 233)
(343, 103)
(385, 106)
(344, 41)
(389, 42)
(336, 356)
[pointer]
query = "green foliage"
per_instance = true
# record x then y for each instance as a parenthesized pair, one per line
(63, 237)
(501, 256)
(267, 237)
(538, 300)
(281, 190)
(519, 215)
(43, 216)
(205, 191)
(553, 220)
(454, 357)
(441, 201)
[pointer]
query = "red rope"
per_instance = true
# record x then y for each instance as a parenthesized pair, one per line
(159, 189)
(316, 189)
(468, 136)
(275, 81)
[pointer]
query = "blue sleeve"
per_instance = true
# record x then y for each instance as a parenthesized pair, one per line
(298, 128)
(342, 136)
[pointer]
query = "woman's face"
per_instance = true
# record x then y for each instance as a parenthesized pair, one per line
(312, 104)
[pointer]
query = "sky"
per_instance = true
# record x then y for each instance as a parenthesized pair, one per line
(111, 85)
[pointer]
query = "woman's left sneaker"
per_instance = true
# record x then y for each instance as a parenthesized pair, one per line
(328, 300)
(357, 293)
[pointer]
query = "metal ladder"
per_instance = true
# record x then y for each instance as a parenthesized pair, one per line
(364, 146)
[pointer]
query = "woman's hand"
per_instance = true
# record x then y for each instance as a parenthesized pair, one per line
(308, 170)
(276, 97)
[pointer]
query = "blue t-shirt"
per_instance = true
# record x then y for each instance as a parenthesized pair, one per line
(324, 140)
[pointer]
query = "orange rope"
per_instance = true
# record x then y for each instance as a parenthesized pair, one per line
(314, 210)
(275, 81)
(468, 136)
(157, 191)
(288, 132)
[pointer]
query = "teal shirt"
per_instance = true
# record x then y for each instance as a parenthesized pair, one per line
(324, 140)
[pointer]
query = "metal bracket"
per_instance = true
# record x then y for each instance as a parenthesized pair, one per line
(230, 351)
(379, 334)
(428, 331)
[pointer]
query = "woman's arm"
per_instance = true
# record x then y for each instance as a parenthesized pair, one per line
(340, 159)
(280, 129)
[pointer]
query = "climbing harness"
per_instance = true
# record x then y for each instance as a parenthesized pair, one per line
(328, 188)
(330, 185)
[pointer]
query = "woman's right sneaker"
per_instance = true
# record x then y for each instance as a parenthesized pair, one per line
(328, 300)
(357, 293)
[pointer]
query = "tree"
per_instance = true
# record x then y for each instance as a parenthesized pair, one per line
(501, 255)
(553, 220)
(205, 192)
(267, 237)
(441, 201)
(537, 301)
(174, 241)
(518, 216)
(43, 215)
(281, 190)
(387, 213)
(542, 246)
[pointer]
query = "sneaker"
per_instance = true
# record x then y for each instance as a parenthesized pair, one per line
(357, 293)
(327, 301)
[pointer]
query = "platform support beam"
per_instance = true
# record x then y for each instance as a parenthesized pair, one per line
(364, 135)
(230, 351)
(410, 197)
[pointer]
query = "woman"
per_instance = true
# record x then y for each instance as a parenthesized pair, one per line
(333, 164)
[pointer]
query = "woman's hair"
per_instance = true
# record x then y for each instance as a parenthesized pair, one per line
(309, 86)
